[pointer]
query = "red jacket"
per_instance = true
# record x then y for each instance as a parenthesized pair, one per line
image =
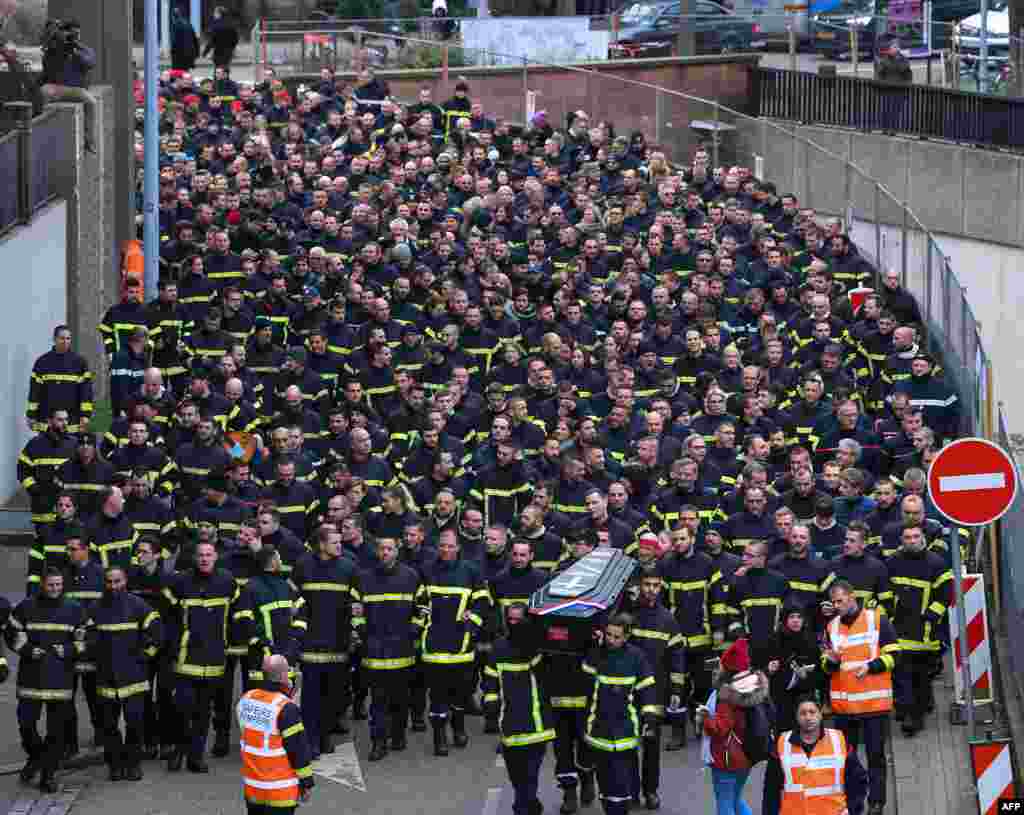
(727, 727)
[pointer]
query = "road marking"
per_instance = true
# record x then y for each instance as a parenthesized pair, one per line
(341, 766)
(57, 804)
(976, 481)
(493, 799)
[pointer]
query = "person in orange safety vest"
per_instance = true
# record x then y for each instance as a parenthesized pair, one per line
(276, 767)
(815, 771)
(860, 657)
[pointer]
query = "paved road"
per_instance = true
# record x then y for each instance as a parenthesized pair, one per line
(467, 782)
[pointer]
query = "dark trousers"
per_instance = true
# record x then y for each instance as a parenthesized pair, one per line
(913, 684)
(118, 751)
(700, 677)
(417, 690)
(873, 732)
(357, 678)
(647, 764)
(263, 809)
(572, 754)
(161, 717)
(324, 696)
(224, 700)
(87, 682)
(389, 705)
(450, 687)
(47, 754)
(615, 777)
(194, 699)
(523, 765)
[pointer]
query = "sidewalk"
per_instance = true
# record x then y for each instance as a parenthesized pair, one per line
(931, 772)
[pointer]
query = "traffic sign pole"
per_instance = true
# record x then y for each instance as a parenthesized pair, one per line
(972, 482)
(961, 613)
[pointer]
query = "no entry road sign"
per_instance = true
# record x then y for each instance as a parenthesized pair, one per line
(972, 482)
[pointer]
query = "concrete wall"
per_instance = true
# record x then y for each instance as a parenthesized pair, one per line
(963, 191)
(599, 90)
(34, 301)
(87, 184)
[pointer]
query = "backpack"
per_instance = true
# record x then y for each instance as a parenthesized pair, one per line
(760, 737)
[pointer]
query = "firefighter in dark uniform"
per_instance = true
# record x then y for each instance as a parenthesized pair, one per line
(45, 631)
(868, 575)
(324, 580)
(243, 565)
(111, 535)
(202, 601)
(919, 581)
(418, 554)
(83, 584)
(389, 624)
(38, 464)
(621, 710)
(515, 582)
(60, 379)
(514, 694)
(689, 578)
(808, 577)
(566, 685)
(146, 579)
(454, 602)
(52, 550)
(755, 595)
(656, 632)
(266, 621)
(122, 634)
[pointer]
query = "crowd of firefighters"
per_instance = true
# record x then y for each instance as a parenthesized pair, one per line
(406, 363)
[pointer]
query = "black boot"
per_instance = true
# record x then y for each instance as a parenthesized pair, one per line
(326, 745)
(29, 771)
(398, 742)
(440, 737)
(359, 710)
(417, 723)
(221, 744)
(652, 800)
(175, 760)
(341, 726)
(491, 724)
(459, 737)
(133, 773)
(116, 773)
(570, 801)
(47, 783)
(378, 750)
(588, 790)
(197, 765)
(166, 751)
(678, 740)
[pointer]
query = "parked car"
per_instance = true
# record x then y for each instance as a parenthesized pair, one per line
(649, 29)
(831, 29)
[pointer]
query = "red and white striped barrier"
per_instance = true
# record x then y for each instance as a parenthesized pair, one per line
(993, 774)
(979, 655)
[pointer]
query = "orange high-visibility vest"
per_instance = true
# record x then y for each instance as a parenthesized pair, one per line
(814, 784)
(268, 775)
(857, 645)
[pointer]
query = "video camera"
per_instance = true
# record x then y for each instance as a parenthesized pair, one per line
(62, 35)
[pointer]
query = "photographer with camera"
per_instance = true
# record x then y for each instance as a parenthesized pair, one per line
(66, 66)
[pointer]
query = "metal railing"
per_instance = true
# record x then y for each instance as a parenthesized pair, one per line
(867, 104)
(29, 158)
(293, 47)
